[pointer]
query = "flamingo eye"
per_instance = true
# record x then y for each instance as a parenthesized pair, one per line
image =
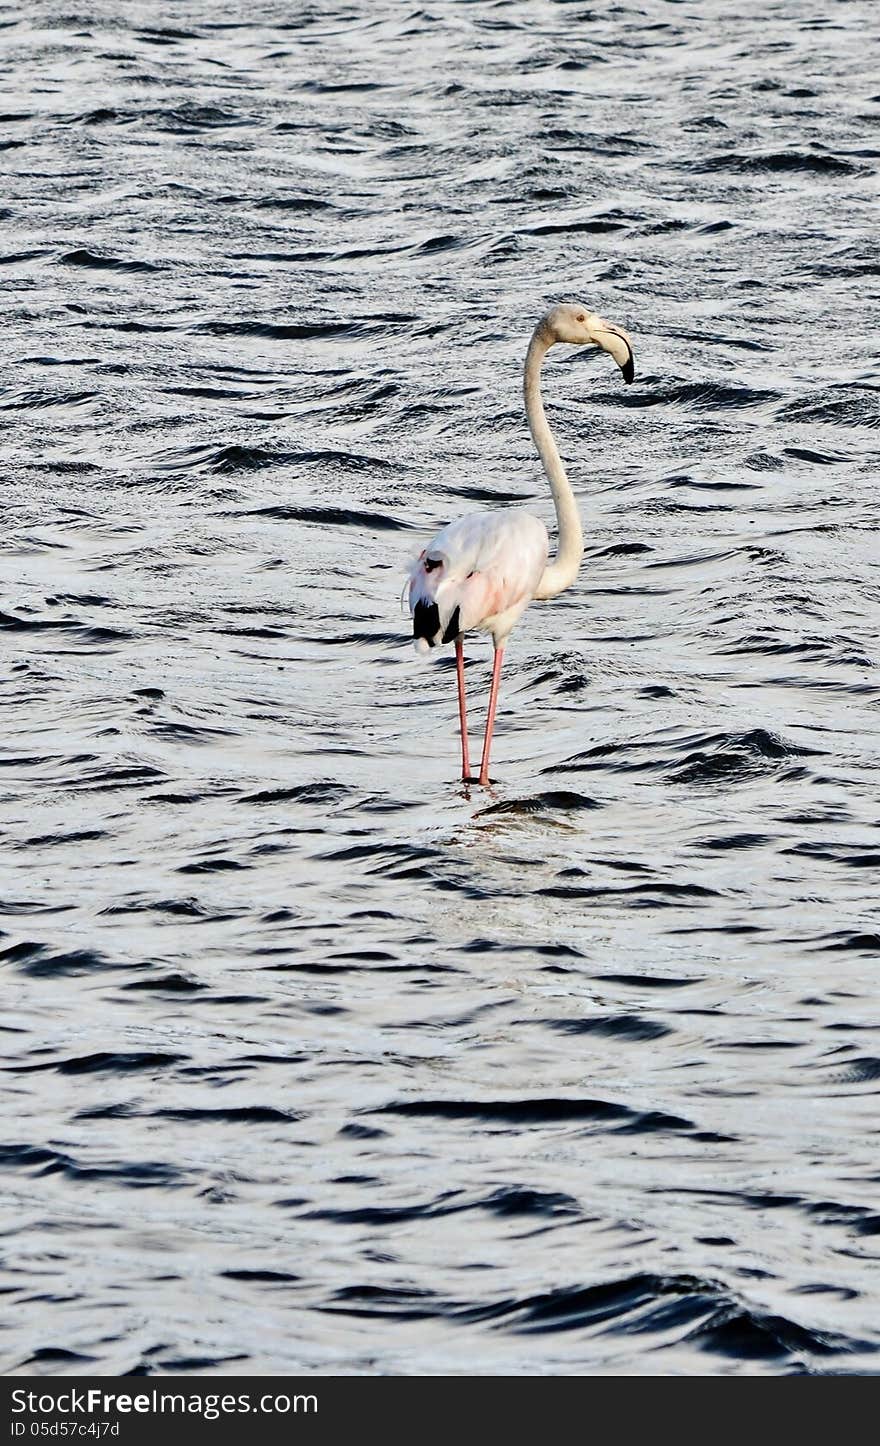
(580, 316)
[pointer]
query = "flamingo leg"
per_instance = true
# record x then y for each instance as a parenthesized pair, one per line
(490, 720)
(462, 711)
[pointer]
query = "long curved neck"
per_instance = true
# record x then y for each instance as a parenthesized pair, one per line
(562, 571)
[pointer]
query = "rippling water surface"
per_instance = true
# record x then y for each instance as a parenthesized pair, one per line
(314, 1058)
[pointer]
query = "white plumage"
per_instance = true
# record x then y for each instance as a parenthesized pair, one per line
(485, 567)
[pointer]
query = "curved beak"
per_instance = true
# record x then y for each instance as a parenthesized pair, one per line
(616, 342)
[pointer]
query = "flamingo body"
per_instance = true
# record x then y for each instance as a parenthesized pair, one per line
(478, 574)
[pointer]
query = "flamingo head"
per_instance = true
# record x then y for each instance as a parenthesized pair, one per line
(578, 326)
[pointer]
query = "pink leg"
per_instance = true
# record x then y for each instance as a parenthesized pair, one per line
(490, 720)
(462, 711)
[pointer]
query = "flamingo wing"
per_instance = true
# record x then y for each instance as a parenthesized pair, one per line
(480, 568)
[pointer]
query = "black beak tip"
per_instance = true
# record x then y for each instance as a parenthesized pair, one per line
(629, 370)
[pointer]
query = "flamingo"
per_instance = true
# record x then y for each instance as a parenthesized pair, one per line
(480, 573)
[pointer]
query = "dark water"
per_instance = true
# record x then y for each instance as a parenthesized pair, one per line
(313, 1059)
